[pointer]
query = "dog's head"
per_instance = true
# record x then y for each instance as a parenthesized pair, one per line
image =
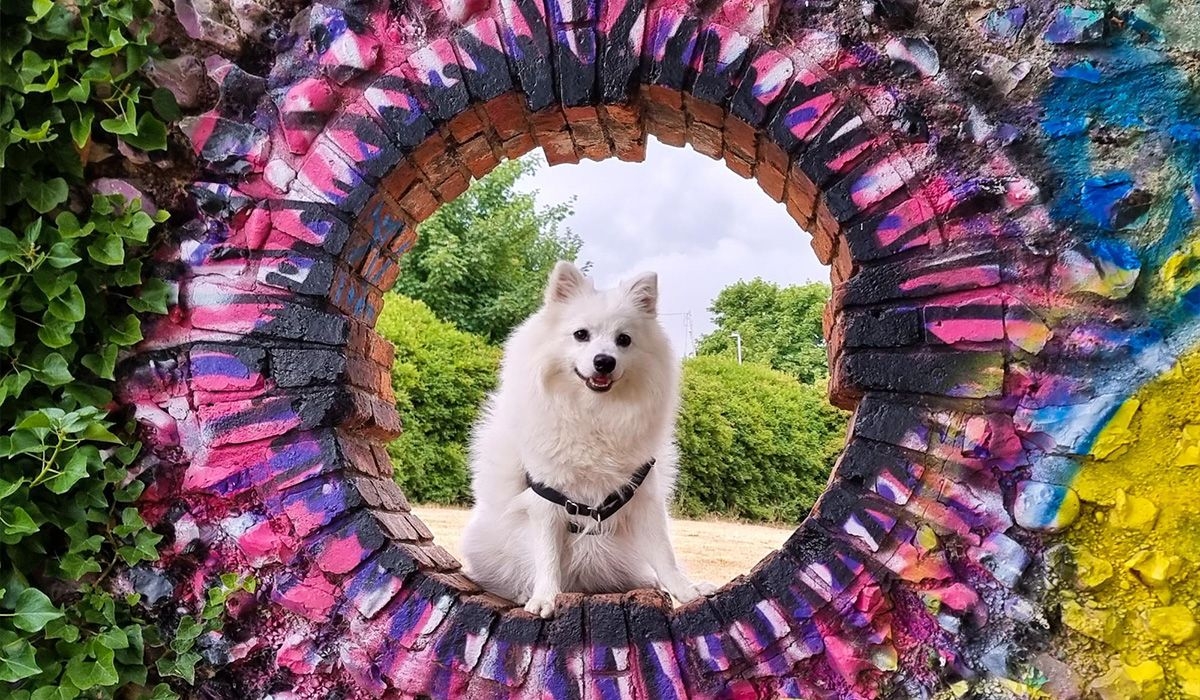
(602, 339)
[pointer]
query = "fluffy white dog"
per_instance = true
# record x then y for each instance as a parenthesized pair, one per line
(573, 458)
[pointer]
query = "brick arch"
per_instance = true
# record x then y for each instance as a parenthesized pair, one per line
(265, 398)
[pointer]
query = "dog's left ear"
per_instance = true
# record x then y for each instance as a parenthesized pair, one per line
(643, 292)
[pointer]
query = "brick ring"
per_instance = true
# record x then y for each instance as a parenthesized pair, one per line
(902, 139)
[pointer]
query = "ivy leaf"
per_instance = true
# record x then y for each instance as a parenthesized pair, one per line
(74, 470)
(68, 306)
(109, 250)
(41, 8)
(54, 370)
(103, 363)
(55, 334)
(81, 128)
(151, 134)
(127, 332)
(44, 195)
(20, 523)
(122, 125)
(87, 674)
(163, 101)
(34, 610)
(17, 661)
(61, 256)
(8, 327)
(152, 297)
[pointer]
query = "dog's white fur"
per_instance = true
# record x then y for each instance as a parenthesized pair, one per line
(546, 420)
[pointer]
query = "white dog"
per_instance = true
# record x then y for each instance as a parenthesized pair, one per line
(573, 459)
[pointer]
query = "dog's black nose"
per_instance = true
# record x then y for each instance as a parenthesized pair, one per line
(604, 364)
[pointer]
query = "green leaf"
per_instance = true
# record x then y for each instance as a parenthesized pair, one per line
(54, 370)
(68, 306)
(163, 101)
(151, 134)
(34, 610)
(61, 256)
(76, 567)
(152, 298)
(17, 661)
(104, 363)
(20, 523)
(74, 470)
(8, 327)
(126, 332)
(122, 125)
(96, 432)
(109, 250)
(41, 8)
(61, 692)
(81, 128)
(87, 674)
(45, 195)
(55, 334)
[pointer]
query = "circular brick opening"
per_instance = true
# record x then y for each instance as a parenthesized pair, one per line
(265, 397)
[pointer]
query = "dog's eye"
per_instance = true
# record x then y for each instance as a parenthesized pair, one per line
(582, 335)
(623, 340)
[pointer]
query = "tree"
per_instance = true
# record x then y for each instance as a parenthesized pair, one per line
(441, 376)
(753, 443)
(780, 327)
(482, 260)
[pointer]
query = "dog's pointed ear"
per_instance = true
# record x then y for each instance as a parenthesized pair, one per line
(643, 292)
(566, 281)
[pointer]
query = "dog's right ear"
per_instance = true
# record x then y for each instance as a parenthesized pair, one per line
(566, 281)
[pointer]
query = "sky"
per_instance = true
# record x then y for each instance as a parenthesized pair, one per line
(683, 215)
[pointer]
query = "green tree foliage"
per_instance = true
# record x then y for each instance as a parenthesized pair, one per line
(70, 286)
(441, 377)
(780, 327)
(753, 442)
(481, 261)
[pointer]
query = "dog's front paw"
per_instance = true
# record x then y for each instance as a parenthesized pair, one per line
(694, 591)
(540, 606)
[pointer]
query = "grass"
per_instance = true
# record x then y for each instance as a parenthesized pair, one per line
(710, 550)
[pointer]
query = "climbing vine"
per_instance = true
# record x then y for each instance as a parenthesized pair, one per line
(71, 289)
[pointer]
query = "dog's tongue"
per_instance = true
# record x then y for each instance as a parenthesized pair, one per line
(601, 380)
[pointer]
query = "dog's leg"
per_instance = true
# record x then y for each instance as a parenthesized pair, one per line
(547, 541)
(656, 547)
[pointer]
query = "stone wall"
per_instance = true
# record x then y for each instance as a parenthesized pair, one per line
(1006, 196)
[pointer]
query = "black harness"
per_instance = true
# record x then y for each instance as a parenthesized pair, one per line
(614, 502)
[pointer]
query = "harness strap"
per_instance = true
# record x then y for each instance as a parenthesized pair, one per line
(611, 504)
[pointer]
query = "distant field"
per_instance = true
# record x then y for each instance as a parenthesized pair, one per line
(711, 550)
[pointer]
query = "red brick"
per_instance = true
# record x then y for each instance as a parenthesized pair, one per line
(478, 156)
(436, 159)
(771, 170)
(419, 201)
(706, 139)
(455, 185)
(399, 180)
(588, 132)
(465, 126)
(663, 96)
(507, 116)
(559, 147)
(705, 112)
(843, 266)
(741, 139)
(519, 145)
(624, 126)
(744, 168)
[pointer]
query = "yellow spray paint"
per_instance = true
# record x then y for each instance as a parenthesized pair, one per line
(1133, 614)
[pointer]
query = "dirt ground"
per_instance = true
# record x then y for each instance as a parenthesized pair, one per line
(711, 550)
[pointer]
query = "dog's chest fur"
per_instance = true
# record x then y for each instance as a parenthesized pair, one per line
(587, 452)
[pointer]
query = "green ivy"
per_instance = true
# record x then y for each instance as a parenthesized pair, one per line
(71, 286)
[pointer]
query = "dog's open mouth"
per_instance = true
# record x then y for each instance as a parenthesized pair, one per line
(598, 383)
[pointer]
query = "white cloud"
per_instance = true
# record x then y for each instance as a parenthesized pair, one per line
(685, 216)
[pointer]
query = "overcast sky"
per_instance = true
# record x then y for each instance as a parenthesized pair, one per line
(686, 217)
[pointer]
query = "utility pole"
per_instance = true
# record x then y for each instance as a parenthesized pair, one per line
(691, 340)
(738, 337)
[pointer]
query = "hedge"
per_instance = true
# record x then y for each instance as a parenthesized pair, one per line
(753, 442)
(441, 377)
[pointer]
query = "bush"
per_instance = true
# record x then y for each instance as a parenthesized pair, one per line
(753, 442)
(441, 377)
(70, 287)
